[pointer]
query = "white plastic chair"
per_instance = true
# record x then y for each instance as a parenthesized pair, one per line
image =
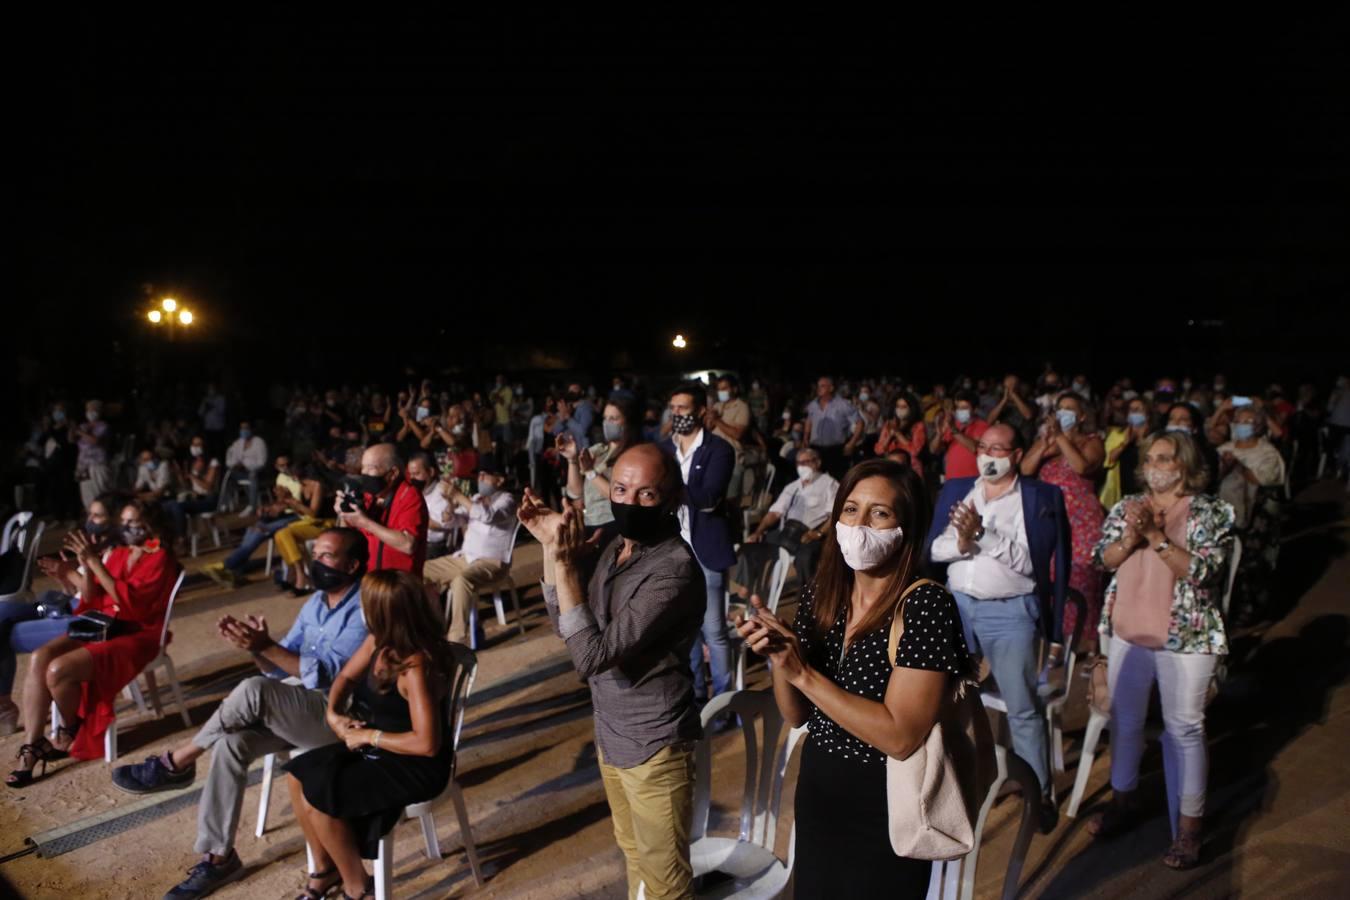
(505, 584)
(466, 669)
(760, 500)
(133, 689)
(777, 579)
(14, 524)
(1053, 697)
(211, 517)
(955, 879)
(1097, 721)
(750, 858)
(25, 534)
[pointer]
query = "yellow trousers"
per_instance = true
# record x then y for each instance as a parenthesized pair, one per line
(652, 806)
(291, 539)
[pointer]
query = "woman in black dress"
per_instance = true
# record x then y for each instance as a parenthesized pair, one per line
(830, 669)
(395, 747)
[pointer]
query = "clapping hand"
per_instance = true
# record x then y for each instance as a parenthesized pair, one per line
(77, 544)
(967, 523)
(57, 567)
(770, 637)
(585, 462)
(567, 445)
(250, 636)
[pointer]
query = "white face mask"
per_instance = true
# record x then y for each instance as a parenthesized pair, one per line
(806, 473)
(993, 468)
(864, 547)
(864, 396)
(723, 396)
(1161, 481)
(195, 450)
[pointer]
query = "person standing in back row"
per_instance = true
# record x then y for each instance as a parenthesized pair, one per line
(833, 428)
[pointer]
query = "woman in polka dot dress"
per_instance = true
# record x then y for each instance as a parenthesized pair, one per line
(830, 669)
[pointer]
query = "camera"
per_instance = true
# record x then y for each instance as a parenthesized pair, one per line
(353, 488)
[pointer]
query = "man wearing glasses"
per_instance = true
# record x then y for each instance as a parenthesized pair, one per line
(998, 534)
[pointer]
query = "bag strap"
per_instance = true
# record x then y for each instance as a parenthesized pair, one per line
(897, 623)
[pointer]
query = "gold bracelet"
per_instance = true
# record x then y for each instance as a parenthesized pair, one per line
(375, 742)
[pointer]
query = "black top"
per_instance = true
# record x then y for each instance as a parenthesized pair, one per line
(932, 639)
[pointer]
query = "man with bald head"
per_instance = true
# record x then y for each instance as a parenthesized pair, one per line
(389, 511)
(629, 632)
(998, 535)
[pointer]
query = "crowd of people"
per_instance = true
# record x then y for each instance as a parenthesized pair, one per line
(1043, 511)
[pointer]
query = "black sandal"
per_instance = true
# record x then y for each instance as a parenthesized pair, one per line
(56, 753)
(40, 753)
(315, 894)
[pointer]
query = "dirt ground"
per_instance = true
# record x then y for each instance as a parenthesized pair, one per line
(1278, 822)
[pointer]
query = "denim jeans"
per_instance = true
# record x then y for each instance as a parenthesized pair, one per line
(256, 535)
(179, 510)
(714, 634)
(1005, 632)
(21, 631)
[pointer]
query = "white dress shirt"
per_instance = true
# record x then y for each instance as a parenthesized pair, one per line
(810, 504)
(491, 528)
(436, 506)
(999, 565)
(252, 456)
(686, 461)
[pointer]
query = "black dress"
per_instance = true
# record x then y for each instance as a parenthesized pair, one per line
(843, 837)
(369, 787)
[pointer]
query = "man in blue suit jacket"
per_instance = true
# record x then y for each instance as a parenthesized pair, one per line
(706, 461)
(998, 536)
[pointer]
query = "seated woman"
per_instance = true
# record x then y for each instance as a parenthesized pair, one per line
(316, 497)
(26, 626)
(1251, 472)
(1167, 548)
(395, 744)
(84, 678)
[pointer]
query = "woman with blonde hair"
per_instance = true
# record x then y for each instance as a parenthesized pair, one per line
(394, 746)
(1168, 549)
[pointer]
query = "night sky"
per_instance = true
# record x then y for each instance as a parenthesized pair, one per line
(792, 193)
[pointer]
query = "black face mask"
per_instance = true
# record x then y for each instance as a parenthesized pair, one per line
(367, 484)
(683, 424)
(133, 535)
(419, 483)
(644, 524)
(327, 578)
(97, 531)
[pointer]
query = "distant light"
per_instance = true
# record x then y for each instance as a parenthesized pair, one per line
(679, 343)
(169, 304)
(185, 317)
(155, 316)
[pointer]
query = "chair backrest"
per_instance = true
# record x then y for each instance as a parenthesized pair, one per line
(1079, 623)
(168, 611)
(1234, 559)
(30, 538)
(466, 670)
(16, 524)
(765, 765)
(226, 479)
(778, 578)
(770, 470)
(511, 551)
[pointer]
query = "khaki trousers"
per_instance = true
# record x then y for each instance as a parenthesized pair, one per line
(652, 806)
(464, 580)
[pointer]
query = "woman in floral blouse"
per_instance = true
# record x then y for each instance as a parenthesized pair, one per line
(1163, 621)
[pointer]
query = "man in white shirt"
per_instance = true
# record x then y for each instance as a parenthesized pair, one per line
(804, 510)
(247, 457)
(489, 519)
(423, 474)
(154, 478)
(1001, 535)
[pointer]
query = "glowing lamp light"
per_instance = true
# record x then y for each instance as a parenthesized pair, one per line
(169, 304)
(185, 317)
(679, 343)
(154, 316)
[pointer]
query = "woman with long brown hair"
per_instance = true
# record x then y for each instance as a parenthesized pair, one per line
(394, 748)
(831, 670)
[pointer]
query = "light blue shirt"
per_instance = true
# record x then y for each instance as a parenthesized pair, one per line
(324, 638)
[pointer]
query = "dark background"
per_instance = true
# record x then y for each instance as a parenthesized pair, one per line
(794, 194)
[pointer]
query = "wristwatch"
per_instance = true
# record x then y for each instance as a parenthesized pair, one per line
(591, 474)
(979, 533)
(1163, 546)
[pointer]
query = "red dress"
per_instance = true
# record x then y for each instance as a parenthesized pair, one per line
(1085, 530)
(142, 597)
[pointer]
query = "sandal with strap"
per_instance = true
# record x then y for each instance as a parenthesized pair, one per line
(56, 753)
(368, 892)
(1185, 851)
(41, 752)
(310, 893)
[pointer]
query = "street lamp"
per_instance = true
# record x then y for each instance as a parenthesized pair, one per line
(154, 316)
(185, 318)
(679, 343)
(169, 304)
(170, 314)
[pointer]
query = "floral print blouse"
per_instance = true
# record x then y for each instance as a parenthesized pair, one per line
(1196, 625)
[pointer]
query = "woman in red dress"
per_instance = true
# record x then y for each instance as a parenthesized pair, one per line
(1068, 453)
(84, 678)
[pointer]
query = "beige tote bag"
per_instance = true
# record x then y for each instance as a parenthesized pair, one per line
(934, 795)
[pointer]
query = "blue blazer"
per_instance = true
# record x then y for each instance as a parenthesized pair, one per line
(705, 493)
(1047, 532)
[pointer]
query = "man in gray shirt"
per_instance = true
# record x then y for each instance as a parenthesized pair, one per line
(833, 428)
(629, 633)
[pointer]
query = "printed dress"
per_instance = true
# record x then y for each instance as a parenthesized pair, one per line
(1085, 530)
